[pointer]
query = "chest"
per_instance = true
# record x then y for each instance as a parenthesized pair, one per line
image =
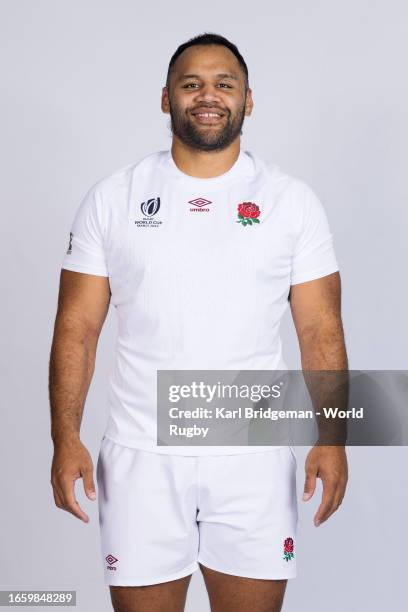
(236, 238)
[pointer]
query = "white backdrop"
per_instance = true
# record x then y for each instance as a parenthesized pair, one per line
(80, 98)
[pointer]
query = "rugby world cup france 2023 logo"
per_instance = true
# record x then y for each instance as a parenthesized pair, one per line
(149, 209)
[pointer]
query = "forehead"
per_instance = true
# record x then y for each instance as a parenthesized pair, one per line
(206, 60)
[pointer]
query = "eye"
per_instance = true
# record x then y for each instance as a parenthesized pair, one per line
(190, 85)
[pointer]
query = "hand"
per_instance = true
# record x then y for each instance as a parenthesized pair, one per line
(330, 464)
(71, 461)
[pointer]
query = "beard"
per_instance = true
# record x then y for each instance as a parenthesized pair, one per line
(206, 138)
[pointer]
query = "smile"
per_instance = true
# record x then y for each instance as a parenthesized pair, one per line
(208, 117)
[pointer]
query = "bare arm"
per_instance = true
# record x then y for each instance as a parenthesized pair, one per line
(83, 303)
(316, 311)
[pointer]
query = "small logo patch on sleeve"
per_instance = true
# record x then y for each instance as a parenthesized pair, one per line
(69, 251)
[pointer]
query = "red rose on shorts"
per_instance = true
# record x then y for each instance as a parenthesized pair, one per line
(288, 546)
(248, 213)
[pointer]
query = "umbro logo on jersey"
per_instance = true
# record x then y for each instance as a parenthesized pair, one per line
(111, 560)
(199, 204)
(149, 209)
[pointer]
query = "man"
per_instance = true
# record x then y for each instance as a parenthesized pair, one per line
(199, 249)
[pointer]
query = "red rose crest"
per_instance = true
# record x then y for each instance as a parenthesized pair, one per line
(288, 547)
(248, 213)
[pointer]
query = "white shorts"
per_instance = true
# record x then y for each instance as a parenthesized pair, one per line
(160, 515)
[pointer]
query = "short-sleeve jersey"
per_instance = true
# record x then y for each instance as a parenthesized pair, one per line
(200, 271)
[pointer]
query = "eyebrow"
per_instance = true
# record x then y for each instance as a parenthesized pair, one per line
(221, 75)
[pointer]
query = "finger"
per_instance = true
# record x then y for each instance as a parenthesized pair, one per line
(310, 484)
(339, 491)
(70, 502)
(327, 503)
(337, 498)
(329, 511)
(88, 482)
(58, 493)
(57, 496)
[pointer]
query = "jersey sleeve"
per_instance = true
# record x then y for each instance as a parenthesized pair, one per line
(86, 252)
(313, 255)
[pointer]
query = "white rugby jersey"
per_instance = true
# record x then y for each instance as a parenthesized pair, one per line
(200, 271)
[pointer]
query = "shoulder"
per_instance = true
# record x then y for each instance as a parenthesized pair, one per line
(293, 198)
(295, 194)
(285, 183)
(121, 178)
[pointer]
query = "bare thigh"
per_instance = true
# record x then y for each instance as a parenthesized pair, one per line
(164, 597)
(229, 593)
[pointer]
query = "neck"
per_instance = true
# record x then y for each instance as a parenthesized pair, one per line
(204, 164)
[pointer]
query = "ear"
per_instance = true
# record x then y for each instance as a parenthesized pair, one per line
(165, 100)
(249, 103)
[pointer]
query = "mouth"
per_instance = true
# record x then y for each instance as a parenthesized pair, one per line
(207, 117)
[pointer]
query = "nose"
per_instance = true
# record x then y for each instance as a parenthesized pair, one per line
(208, 93)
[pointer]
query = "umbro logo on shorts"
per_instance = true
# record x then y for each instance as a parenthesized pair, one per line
(111, 560)
(149, 208)
(199, 204)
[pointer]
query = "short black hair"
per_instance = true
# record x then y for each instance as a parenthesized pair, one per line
(209, 38)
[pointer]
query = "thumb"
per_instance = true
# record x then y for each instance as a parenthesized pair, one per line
(310, 485)
(89, 485)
